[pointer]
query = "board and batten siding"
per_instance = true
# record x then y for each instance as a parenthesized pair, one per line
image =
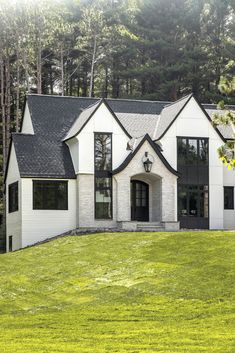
(38, 225)
(13, 219)
(192, 122)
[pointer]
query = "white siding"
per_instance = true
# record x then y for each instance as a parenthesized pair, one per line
(229, 215)
(27, 126)
(13, 219)
(101, 121)
(192, 122)
(38, 225)
(73, 145)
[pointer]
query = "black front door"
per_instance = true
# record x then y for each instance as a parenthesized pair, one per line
(139, 201)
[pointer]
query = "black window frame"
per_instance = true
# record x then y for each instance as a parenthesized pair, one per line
(198, 161)
(13, 197)
(10, 243)
(56, 205)
(105, 171)
(110, 188)
(229, 205)
(98, 173)
(194, 189)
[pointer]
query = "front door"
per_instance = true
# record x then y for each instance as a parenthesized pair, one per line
(139, 201)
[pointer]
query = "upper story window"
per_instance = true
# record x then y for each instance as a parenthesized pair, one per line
(13, 197)
(103, 178)
(103, 151)
(50, 195)
(193, 151)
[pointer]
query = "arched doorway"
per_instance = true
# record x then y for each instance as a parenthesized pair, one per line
(139, 201)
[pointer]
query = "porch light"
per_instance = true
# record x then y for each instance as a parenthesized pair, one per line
(147, 163)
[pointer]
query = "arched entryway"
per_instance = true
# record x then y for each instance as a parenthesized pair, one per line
(139, 201)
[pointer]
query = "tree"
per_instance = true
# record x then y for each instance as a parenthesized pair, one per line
(226, 117)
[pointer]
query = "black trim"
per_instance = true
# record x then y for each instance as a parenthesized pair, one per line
(13, 202)
(111, 197)
(191, 221)
(156, 148)
(54, 176)
(10, 243)
(103, 100)
(139, 212)
(54, 182)
(103, 174)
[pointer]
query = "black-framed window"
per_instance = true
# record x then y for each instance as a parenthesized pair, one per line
(193, 200)
(10, 243)
(228, 197)
(13, 197)
(103, 151)
(193, 151)
(103, 198)
(50, 195)
(103, 176)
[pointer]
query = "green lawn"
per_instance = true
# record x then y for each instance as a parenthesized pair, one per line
(125, 292)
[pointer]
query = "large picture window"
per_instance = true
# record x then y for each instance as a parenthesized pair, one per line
(103, 176)
(193, 201)
(13, 197)
(50, 195)
(192, 151)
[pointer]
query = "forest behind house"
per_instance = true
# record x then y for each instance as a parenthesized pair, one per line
(142, 49)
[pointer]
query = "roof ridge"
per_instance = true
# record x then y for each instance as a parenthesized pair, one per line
(92, 105)
(179, 100)
(95, 98)
(58, 96)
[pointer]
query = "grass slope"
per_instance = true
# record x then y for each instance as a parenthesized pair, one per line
(129, 292)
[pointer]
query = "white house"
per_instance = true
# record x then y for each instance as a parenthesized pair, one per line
(111, 163)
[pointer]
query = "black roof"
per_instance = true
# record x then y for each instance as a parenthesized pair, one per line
(45, 154)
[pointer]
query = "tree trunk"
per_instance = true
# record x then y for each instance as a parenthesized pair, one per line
(25, 63)
(106, 82)
(18, 92)
(3, 112)
(91, 90)
(8, 102)
(62, 69)
(78, 86)
(39, 66)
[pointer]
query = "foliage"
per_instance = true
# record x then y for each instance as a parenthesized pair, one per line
(226, 116)
(126, 292)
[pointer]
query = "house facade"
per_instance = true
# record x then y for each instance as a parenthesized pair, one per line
(93, 163)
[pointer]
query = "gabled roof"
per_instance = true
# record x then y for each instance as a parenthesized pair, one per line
(139, 124)
(40, 157)
(45, 154)
(86, 115)
(169, 114)
(157, 150)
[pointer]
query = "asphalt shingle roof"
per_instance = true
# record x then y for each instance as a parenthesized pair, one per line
(45, 154)
(168, 114)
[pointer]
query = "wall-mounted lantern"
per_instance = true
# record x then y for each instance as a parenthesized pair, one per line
(147, 162)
